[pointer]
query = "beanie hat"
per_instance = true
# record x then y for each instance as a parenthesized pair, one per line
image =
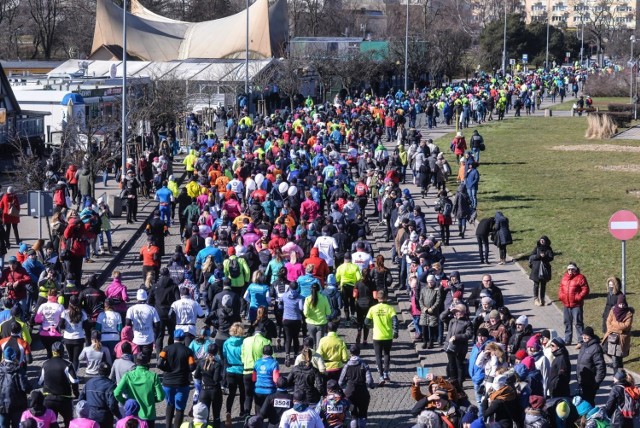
(533, 342)
(494, 314)
(457, 295)
(470, 416)
(331, 279)
(559, 342)
(620, 375)
(536, 401)
(582, 406)
(499, 381)
(483, 332)
(131, 407)
(431, 278)
(231, 251)
(522, 319)
(521, 371)
(200, 412)
(521, 354)
(588, 331)
(455, 274)
(563, 410)
(545, 333)
(529, 362)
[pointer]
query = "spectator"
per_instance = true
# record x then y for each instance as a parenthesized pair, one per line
(540, 264)
(614, 289)
(617, 339)
(560, 370)
(590, 366)
(573, 290)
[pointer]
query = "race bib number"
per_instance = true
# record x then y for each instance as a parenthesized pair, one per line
(335, 409)
(282, 403)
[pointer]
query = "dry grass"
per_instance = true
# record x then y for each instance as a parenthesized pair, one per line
(619, 168)
(600, 127)
(597, 148)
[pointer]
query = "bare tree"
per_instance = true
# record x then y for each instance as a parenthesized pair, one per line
(46, 15)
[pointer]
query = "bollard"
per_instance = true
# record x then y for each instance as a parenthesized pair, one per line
(548, 112)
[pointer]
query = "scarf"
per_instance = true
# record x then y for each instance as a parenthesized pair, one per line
(621, 312)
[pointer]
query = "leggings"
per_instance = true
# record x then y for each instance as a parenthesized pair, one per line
(48, 341)
(249, 390)
(349, 301)
(360, 400)
(74, 348)
(380, 347)
(62, 406)
(539, 290)
(212, 398)
(361, 313)
(291, 335)
(235, 381)
(317, 332)
(503, 252)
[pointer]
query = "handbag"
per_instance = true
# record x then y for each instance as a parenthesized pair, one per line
(543, 271)
(613, 338)
(14, 211)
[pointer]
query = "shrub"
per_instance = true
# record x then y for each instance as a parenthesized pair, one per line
(620, 107)
(607, 85)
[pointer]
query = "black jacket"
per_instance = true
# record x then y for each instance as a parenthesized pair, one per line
(275, 405)
(496, 295)
(519, 339)
(462, 332)
(225, 310)
(14, 388)
(542, 254)
(559, 375)
(59, 378)
(211, 376)
(92, 301)
(103, 407)
(590, 366)
(177, 361)
(506, 412)
(163, 294)
(306, 378)
(484, 227)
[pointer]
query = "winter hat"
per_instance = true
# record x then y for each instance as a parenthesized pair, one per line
(231, 251)
(255, 422)
(428, 418)
(572, 266)
(494, 314)
(36, 399)
(483, 332)
(559, 342)
(582, 406)
(208, 242)
(470, 416)
(536, 401)
(457, 295)
(499, 382)
(545, 333)
(131, 407)
(521, 354)
(200, 412)
(178, 334)
(455, 274)
(431, 278)
(413, 236)
(523, 320)
(563, 410)
(521, 371)
(588, 331)
(331, 279)
(141, 295)
(529, 362)
(620, 375)
(533, 342)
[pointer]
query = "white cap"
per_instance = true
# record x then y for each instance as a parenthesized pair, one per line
(208, 242)
(141, 295)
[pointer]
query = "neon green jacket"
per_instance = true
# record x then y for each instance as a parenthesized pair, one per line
(348, 273)
(252, 351)
(333, 351)
(319, 314)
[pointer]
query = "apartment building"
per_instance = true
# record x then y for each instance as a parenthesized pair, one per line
(572, 13)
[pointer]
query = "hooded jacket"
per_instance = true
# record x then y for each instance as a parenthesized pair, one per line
(117, 292)
(163, 294)
(126, 335)
(320, 267)
(476, 373)
(590, 366)
(306, 378)
(293, 304)
(559, 374)
(541, 254)
(505, 407)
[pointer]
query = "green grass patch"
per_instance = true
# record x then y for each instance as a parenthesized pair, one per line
(600, 102)
(566, 195)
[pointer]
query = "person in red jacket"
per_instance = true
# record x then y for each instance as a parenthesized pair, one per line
(75, 243)
(15, 279)
(320, 267)
(72, 180)
(573, 290)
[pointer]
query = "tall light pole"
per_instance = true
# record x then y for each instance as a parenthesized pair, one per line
(124, 89)
(582, 41)
(504, 45)
(246, 60)
(406, 50)
(632, 39)
(546, 61)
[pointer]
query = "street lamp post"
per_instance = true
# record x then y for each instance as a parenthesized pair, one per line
(246, 59)
(582, 41)
(124, 89)
(504, 44)
(632, 39)
(546, 61)
(406, 50)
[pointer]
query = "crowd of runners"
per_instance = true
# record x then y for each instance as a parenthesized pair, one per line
(275, 216)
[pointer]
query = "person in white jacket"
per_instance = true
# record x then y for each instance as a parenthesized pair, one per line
(301, 415)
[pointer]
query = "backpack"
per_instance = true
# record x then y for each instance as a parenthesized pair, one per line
(334, 304)
(208, 265)
(234, 268)
(631, 407)
(447, 208)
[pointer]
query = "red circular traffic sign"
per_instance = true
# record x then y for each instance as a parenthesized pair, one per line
(623, 225)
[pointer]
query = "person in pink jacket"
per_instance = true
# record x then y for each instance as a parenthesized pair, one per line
(126, 335)
(82, 417)
(117, 292)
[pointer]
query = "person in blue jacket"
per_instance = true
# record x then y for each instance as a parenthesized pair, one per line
(472, 180)
(265, 376)
(477, 373)
(257, 294)
(306, 281)
(232, 360)
(165, 196)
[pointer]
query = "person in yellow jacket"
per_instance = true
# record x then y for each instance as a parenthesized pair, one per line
(193, 188)
(333, 351)
(252, 351)
(347, 275)
(316, 310)
(172, 185)
(383, 320)
(190, 163)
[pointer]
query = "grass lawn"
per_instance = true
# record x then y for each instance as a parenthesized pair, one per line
(566, 195)
(600, 102)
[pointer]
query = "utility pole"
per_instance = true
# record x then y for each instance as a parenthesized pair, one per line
(406, 50)
(504, 44)
(124, 89)
(546, 61)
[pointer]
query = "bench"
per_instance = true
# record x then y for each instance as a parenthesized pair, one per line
(583, 110)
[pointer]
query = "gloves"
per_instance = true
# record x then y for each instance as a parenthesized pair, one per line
(395, 334)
